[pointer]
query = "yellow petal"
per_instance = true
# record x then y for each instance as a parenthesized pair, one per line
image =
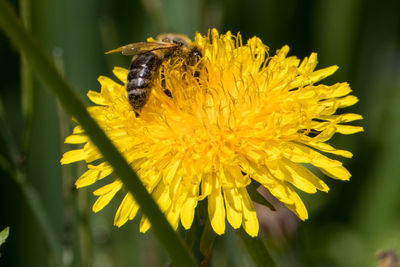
(339, 90)
(78, 130)
(347, 101)
(298, 206)
(303, 178)
(329, 149)
(303, 154)
(76, 139)
(206, 185)
(161, 196)
(96, 98)
(93, 174)
(216, 211)
(348, 129)
(187, 212)
(171, 170)
(172, 215)
(144, 225)
(283, 51)
(107, 83)
(250, 221)
(92, 153)
(73, 156)
(323, 73)
(314, 77)
(338, 172)
(233, 203)
(189, 206)
(108, 188)
(121, 73)
(105, 193)
(325, 134)
(348, 117)
(127, 210)
(277, 188)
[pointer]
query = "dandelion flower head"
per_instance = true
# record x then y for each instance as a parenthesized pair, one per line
(245, 116)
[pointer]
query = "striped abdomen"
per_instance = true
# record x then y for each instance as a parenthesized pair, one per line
(143, 69)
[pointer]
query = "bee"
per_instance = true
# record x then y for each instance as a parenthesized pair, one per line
(147, 60)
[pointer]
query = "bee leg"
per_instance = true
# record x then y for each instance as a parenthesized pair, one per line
(194, 57)
(167, 92)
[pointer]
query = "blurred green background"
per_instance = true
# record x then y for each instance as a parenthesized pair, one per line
(349, 226)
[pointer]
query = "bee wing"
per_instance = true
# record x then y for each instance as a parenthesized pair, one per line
(140, 48)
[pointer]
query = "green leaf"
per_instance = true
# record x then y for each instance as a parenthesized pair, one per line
(257, 197)
(3, 235)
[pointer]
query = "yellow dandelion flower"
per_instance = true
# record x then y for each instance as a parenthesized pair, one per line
(247, 116)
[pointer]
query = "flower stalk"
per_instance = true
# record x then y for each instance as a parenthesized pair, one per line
(26, 77)
(256, 249)
(13, 166)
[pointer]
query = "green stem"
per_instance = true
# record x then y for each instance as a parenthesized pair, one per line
(38, 210)
(43, 67)
(256, 249)
(75, 230)
(10, 144)
(84, 233)
(206, 242)
(26, 77)
(12, 165)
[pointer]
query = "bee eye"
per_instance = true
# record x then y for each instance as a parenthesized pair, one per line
(178, 43)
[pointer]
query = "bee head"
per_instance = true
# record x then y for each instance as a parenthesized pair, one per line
(181, 40)
(185, 48)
